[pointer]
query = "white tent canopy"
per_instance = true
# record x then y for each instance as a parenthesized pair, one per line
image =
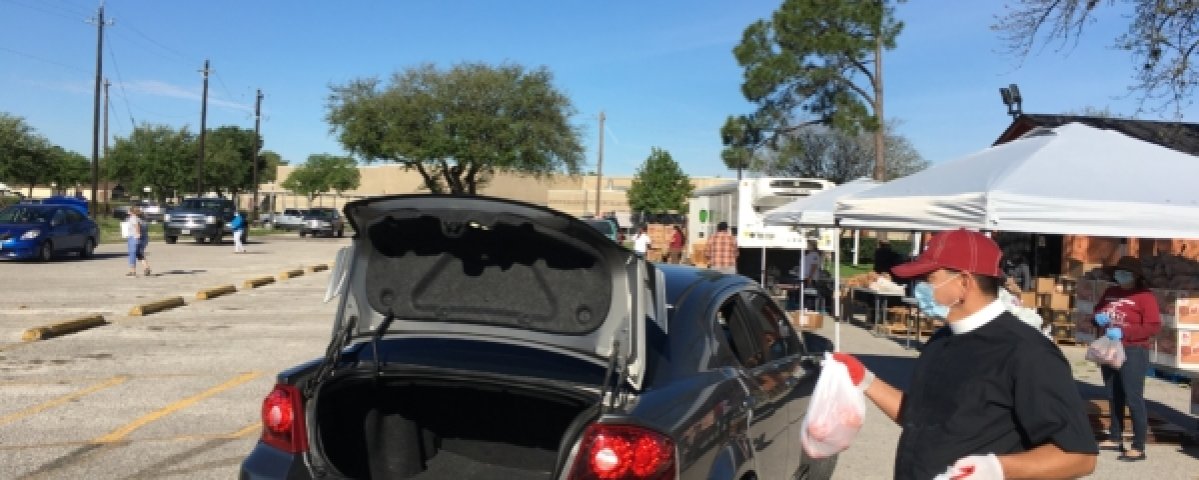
(1073, 179)
(817, 210)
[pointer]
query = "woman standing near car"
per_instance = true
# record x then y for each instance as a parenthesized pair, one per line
(1129, 313)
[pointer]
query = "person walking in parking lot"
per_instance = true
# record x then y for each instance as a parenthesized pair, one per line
(138, 238)
(989, 398)
(641, 242)
(722, 250)
(239, 232)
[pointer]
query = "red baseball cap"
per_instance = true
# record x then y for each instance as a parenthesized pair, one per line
(961, 250)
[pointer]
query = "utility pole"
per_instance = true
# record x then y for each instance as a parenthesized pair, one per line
(105, 149)
(203, 133)
(257, 146)
(880, 160)
(99, 21)
(599, 167)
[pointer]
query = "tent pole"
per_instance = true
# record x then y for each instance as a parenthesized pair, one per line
(763, 271)
(837, 293)
(857, 243)
(916, 237)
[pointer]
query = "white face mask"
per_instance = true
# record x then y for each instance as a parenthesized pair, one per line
(1124, 277)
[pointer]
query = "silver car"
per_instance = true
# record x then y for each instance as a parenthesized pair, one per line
(323, 221)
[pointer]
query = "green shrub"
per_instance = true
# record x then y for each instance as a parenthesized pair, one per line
(869, 245)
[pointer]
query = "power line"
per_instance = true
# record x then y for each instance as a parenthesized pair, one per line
(40, 59)
(73, 16)
(181, 56)
(121, 83)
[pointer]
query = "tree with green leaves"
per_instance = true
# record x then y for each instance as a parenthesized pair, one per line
(68, 168)
(269, 162)
(813, 62)
(229, 160)
(659, 185)
(458, 126)
(21, 148)
(1162, 36)
(155, 156)
(321, 173)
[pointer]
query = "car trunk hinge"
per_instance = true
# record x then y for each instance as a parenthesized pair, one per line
(378, 334)
(612, 394)
(332, 353)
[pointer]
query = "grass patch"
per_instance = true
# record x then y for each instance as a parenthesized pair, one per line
(849, 270)
(110, 231)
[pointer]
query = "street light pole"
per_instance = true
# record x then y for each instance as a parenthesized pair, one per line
(257, 146)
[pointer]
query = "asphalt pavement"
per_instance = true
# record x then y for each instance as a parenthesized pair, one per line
(175, 394)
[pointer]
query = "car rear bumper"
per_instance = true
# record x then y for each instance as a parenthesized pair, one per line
(204, 231)
(271, 463)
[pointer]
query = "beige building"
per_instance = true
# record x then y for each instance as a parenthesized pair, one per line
(575, 195)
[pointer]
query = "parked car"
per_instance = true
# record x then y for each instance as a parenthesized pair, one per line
(323, 221)
(204, 219)
(152, 211)
(41, 231)
(290, 219)
(606, 227)
(487, 338)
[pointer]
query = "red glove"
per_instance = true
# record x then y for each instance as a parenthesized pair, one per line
(861, 377)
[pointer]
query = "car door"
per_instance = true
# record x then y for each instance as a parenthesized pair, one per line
(76, 227)
(60, 231)
(768, 415)
(796, 376)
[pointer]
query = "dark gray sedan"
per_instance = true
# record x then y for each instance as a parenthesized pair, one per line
(487, 338)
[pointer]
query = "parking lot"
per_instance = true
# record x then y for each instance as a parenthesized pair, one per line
(175, 394)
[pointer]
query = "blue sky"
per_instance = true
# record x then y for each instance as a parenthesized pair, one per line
(662, 71)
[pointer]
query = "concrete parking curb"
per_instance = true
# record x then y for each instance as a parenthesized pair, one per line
(157, 306)
(258, 282)
(214, 292)
(286, 274)
(318, 268)
(62, 328)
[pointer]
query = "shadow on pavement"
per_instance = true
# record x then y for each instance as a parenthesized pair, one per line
(182, 272)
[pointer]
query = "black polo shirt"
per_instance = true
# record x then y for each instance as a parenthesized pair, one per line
(1001, 388)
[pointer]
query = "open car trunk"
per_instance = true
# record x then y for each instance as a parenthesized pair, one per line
(406, 429)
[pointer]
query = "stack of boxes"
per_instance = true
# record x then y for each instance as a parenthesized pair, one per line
(659, 238)
(1053, 302)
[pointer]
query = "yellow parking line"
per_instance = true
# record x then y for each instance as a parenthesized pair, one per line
(112, 382)
(120, 433)
(251, 428)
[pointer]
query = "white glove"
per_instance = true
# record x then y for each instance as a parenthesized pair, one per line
(974, 467)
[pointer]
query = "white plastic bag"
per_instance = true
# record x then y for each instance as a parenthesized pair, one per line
(1106, 351)
(126, 229)
(835, 412)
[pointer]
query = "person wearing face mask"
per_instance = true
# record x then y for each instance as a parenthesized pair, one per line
(1128, 312)
(989, 398)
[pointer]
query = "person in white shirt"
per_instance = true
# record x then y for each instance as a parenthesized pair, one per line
(641, 242)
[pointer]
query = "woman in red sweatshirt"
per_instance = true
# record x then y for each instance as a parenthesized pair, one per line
(1128, 312)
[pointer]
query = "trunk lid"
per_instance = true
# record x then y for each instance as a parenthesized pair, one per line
(495, 270)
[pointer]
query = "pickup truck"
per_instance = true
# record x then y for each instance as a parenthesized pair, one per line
(290, 219)
(204, 219)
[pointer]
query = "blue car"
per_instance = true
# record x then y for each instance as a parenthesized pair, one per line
(41, 231)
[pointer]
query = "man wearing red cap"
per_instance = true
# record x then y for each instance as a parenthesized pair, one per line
(990, 398)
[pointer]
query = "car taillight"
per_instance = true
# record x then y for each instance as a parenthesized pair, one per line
(283, 420)
(623, 452)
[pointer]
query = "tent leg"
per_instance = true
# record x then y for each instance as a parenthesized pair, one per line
(763, 271)
(837, 294)
(857, 243)
(916, 237)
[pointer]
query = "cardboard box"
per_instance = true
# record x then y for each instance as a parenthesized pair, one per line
(806, 320)
(1045, 285)
(1059, 301)
(1177, 347)
(1028, 299)
(1186, 310)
